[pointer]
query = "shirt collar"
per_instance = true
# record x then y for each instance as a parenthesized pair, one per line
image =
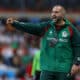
(67, 22)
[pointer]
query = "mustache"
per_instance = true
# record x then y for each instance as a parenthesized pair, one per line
(58, 18)
(53, 17)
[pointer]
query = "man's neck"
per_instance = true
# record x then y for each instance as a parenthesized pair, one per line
(60, 23)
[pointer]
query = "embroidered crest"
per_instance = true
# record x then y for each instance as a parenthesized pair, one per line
(64, 34)
(50, 32)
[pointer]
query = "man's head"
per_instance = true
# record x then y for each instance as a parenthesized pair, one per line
(58, 13)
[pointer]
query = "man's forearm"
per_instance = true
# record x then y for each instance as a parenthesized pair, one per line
(36, 29)
(76, 55)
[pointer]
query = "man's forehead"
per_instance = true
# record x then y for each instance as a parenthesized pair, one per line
(57, 8)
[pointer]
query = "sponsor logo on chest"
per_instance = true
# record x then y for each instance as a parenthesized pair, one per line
(62, 38)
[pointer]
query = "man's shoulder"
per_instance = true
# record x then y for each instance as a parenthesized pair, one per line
(47, 21)
(71, 25)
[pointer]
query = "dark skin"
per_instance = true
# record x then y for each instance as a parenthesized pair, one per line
(57, 15)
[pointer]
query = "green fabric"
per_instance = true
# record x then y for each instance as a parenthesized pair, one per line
(26, 59)
(36, 63)
(15, 45)
(75, 41)
(58, 58)
(48, 75)
(36, 29)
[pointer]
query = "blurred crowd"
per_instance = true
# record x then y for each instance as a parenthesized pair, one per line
(38, 4)
(16, 53)
(17, 50)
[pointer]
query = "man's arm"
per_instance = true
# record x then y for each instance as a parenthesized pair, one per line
(75, 40)
(35, 29)
(76, 45)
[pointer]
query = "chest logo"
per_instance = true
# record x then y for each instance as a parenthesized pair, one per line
(50, 32)
(64, 34)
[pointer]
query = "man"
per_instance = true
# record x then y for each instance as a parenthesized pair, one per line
(60, 45)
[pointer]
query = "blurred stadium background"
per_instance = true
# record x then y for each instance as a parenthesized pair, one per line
(17, 48)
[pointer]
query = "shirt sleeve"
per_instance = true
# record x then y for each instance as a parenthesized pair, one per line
(75, 40)
(35, 29)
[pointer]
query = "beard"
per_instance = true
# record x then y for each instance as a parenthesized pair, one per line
(57, 19)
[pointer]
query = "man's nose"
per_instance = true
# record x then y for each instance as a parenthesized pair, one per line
(53, 14)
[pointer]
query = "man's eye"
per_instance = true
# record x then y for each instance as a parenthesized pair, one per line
(55, 12)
